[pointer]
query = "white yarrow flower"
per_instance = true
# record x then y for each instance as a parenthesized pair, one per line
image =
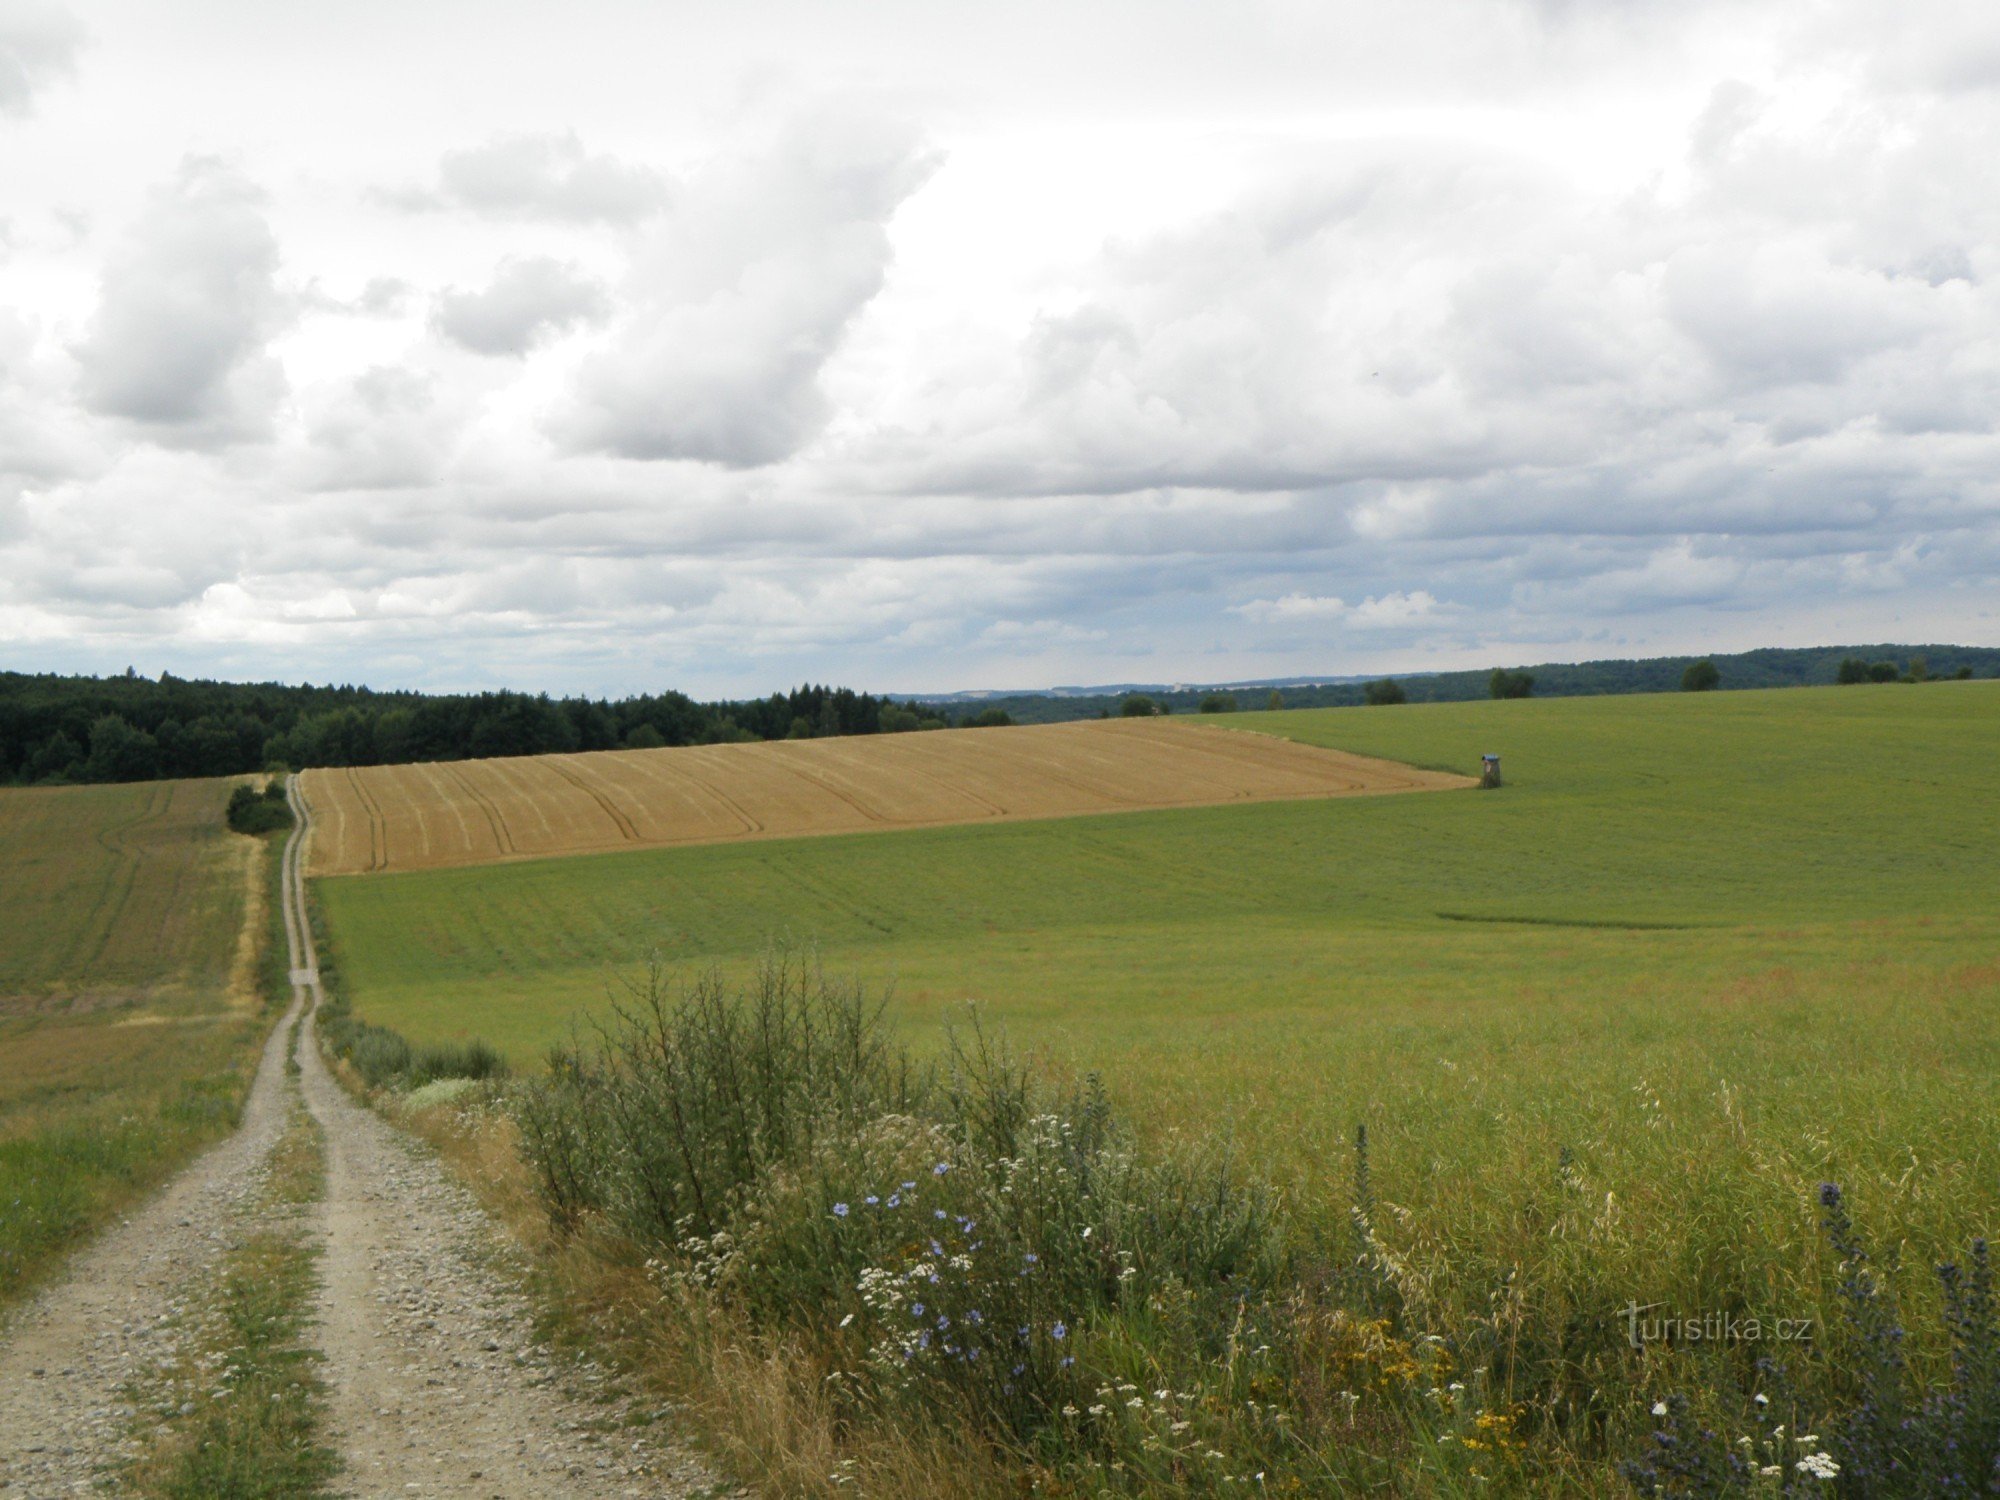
(1659, 1408)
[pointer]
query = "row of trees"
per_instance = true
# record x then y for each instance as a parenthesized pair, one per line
(1853, 670)
(131, 728)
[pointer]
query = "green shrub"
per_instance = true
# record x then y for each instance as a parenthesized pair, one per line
(1384, 693)
(1701, 677)
(988, 718)
(1218, 703)
(1506, 684)
(1138, 706)
(259, 811)
(1852, 670)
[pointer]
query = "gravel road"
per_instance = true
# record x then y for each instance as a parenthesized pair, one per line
(435, 1384)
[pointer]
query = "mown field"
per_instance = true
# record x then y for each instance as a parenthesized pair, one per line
(131, 938)
(420, 817)
(1609, 1028)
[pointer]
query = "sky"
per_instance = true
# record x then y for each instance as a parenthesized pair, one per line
(923, 345)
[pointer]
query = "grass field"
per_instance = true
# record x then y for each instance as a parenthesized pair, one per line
(130, 992)
(1609, 1027)
(419, 817)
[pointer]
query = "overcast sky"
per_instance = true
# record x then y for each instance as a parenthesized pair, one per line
(604, 347)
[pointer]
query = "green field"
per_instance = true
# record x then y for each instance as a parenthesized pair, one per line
(131, 935)
(1609, 1027)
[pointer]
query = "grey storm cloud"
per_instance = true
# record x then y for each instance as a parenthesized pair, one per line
(527, 302)
(550, 177)
(38, 44)
(743, 294)
(189, 303)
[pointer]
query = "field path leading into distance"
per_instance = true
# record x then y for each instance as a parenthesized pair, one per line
(435, 1384)
(438, 815)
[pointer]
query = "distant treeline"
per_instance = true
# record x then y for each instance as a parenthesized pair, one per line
(72, 729)
(1773, 667)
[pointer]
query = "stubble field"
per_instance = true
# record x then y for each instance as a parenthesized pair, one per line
(130, 927)
(436, 816)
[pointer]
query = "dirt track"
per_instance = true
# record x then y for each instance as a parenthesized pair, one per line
(436, 1387)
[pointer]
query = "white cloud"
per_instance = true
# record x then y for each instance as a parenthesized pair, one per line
(189, 304)
(743, 293)
(38, 44)
(527, 302)
(1305, 341)
(549, 177)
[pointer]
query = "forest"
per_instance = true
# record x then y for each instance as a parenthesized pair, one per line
(56, 730)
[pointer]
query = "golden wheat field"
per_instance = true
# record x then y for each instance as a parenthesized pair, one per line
(441, 814)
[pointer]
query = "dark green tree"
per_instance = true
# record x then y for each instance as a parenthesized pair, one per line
(1701, 677)
(1384, 692)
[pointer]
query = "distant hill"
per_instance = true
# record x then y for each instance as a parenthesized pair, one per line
(1770, 667)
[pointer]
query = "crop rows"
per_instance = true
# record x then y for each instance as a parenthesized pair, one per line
(471, 812)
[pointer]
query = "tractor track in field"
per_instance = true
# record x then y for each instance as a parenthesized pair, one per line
(435, 1385)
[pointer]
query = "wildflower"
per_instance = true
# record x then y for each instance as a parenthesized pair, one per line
(937, 1249)
(1031, 1258)
(1772, 1471)
(1060, 1331)
(895, 1200)
(1761, 1399)
(1067, 1361)
(908, 1185)
(944, 1320)
(846, 1320)
(916, 1309)
(840, 1210)
(871, 1200)
(1819, 1465)
(1659, 1408)
(1068, 1411)
(974, 1317)
(940, 1169)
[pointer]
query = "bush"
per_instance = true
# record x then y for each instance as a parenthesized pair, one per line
(988, 718)
(1218, 703)
(1382, 694)
(1138, 706)
(1852, 670)
(1506, 684)
(951, 1234)
(385, 1058)
(254, 811)
(1701, 677)
(1884, 671)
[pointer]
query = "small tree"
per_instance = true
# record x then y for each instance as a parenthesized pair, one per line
(1701, 677)
(644, 737)
(1387, 691)
(1852, 670)
(1884, 671)
(1276, 701)
(1138, 706)
(1219, 703)
(1920, 670)
(988, 718)
(1506, 684)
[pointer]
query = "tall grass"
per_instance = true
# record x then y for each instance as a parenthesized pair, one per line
(973, 1246)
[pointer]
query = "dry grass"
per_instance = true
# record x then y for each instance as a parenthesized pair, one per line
(758, 1406)
(477, 812)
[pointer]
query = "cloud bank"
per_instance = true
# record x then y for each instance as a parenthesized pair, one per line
(1589, 331)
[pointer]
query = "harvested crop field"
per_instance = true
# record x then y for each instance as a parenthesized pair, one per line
(114, 893)
(439, 815)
